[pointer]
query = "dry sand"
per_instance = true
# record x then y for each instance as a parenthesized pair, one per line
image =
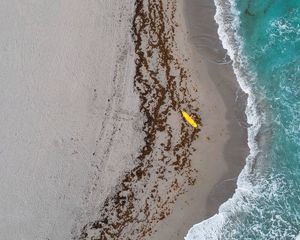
(92, 142)
(69, 116)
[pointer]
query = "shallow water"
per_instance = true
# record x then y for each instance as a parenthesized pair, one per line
(263, 39)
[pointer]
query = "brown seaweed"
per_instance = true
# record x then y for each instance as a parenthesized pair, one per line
(146, 194)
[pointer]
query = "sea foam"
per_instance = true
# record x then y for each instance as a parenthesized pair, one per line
(227, 18)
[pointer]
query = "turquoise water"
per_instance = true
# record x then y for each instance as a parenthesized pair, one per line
(263, 39)
(270, 31)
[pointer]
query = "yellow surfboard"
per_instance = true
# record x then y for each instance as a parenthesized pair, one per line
(189, 119)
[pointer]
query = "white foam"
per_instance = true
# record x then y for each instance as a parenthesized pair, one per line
(227, 18)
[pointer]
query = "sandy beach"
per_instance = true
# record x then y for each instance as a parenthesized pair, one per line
(93, 143)
(69, 117)
(222, 145)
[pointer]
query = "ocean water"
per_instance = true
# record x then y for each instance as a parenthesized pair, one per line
(262, 38)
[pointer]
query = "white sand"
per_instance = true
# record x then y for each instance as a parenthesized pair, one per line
(61, 61)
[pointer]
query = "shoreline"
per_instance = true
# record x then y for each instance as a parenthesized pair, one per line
(221, 73)
(217, 173)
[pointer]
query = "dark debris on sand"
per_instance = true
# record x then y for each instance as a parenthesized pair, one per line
(146, 194)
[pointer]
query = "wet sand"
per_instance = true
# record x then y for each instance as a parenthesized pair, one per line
(222, 146)
(205, 39)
